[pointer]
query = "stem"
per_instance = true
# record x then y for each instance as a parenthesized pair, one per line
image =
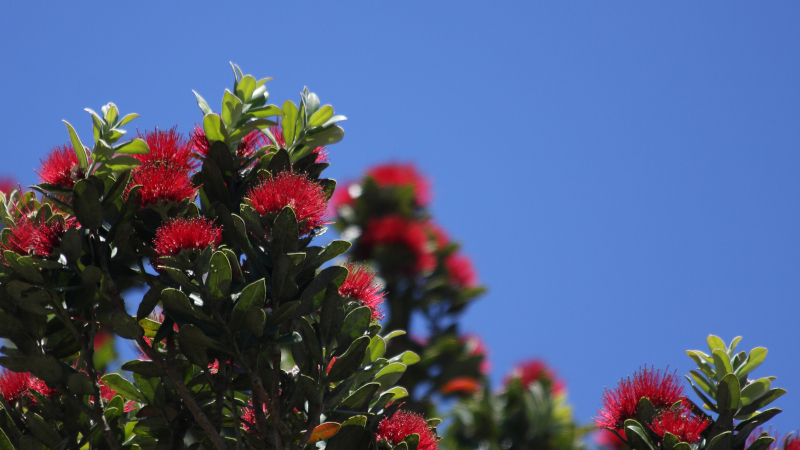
(235, 411)
(276, 414)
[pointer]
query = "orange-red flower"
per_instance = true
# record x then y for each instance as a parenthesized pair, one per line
(460, 271)
(305, 196)
(534, 370)
(476, 347)
(186, 234)
(360, 286)
(620, 404)
(61, 167)
(403, 423)
(682, 423)
(461, 385)
(15, 385)
(396, 175)
(398, 231)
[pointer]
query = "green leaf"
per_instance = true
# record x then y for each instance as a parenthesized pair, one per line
(188, 341)
(321, 116)
(147, 369)
(133, 147)
(80, 384)
(411, 440)
(754, 359)
(254, 321)
(289, 122)
(329, 275)
(389, 375)
(285, 232)
(347, 364)
(246, 87)
(755, 390)
(231, 109)
(123, 387)
(264, 111)
(219, 275)
(715, 343)
(730, 387)
(203, 105)
(637, 436)
(118, 163)
(283, 313)
(360, 399)
(377, 348)
(720, 441)
(214, 128)
(394, 334)
(761, 443)
(765, 400)
(722, 363)
(42, 431)
(125, 120)
(80, 151)
(334, 249)
(86, 203)
(398, 392)
(355, 325)
(5, 443)
(325, 431)
(126, 326)
(253, 296)
(327, 136)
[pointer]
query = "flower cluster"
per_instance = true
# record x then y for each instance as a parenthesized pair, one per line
(402, 176)
(403, 423)
(280, 142)
(164, 175)
(248, 146)
(29, 236)
(304, 195)
(405, 234)
(61, 167)
(680, 422)
(180, 234)
(533, 370)
(15, 386)
(360, 286)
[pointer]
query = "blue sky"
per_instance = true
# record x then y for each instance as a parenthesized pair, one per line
(625, 174)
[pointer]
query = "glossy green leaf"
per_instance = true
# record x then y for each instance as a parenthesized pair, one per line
(80, 151)
(125, 326)
(321, 116)
(289, 122)
(214, 128)
(389, 375)
(123, 387)
(715, 343)
(219, 275)
(722, 364)
(201, 102)
(347, 364)
(754, 359)
(245, 88)
(133, 147)
(231, 109)
(147, 369)
(327, 136)
(125, 120)
(253, 296)
(755, 390)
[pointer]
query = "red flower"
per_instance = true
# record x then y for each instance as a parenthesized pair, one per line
(535, 370)
(29, 237)
(280, 141)
(460, 271)
(342, 196)
(305, 196)
(663, 390)
(15, 385)
(461, 385)
(102, 338)
(610, 441)
(107, 394)
(7, 185)
(402, 424)
(167, 147)
(61, 167)
(330, 364)
(186, 234)
(249, 415)
(791, 442)
(161, 183)
(359, 285)
(684, 425)
(439, 236)
(476, 347)
(249, 145)
(398, 231)
(396, 175)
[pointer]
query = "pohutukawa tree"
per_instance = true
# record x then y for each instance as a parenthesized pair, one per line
(251, 336)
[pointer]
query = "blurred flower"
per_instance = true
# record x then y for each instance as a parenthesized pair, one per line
(663, 390)
(789, 442)
(396, 175)
(107, 393)
(534, 370)
(680, 422)
(330, 364)
(167, 147)
(102, 338)
(249, 145)
(342, 195)
(403, 423)
(359, 285)
(7, 185)
(408, 234)
(161, 183)
(476, 347)
(61, 167)
(609, 440)
(439, 236)
(460, 271)
(461, 385)
(249, 415)
(305, 196)
(186, 234)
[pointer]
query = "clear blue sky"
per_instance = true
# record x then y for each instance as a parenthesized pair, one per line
(625, 174)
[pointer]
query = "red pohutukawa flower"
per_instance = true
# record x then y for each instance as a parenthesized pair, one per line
(280, 141)
(403, 423)
(663, 390)
(402, 176)
(791, 442)
(305, 196)
(461, 385)
(536, 370)
(186, 234)
(439, 236)
(15, 385)
(249, 145)
(167, 147)
(7, 185)
(161, 183)
(61, 167)
(249, 416)
(683, 424)
(399, 231)
(342, 196)
(29, 237)
(460, 271)
(610, 441)
(359, 285)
